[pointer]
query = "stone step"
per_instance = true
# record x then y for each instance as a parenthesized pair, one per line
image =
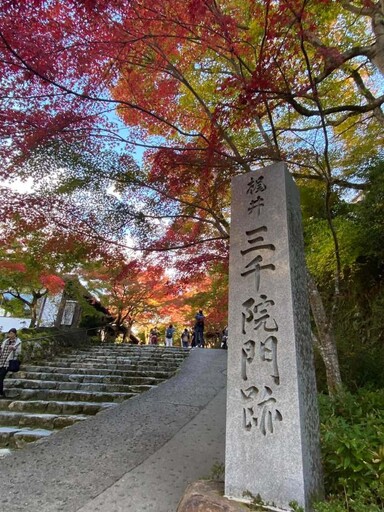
(62, 395)
(108, 361)
(43, 398)
(142, 349)
(129, 349)
(41, 421)
(84, 377)
(74, 386)
(16, 437)
(127, 355)
(149, 353)
(96, 371)
(110, 367)
(55, 406)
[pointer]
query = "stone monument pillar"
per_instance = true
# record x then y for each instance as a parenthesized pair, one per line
(272, 439)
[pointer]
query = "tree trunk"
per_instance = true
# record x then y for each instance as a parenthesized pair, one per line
(33, 320)
(33, 307)
(326, 340)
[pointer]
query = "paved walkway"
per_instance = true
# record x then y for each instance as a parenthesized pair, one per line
(139, 456)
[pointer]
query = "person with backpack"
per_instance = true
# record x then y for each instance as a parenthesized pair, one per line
(169, 335)
(199, 329)
(185, 338)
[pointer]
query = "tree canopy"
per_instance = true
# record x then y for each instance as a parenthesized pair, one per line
(208, 89)
(229, 83)
(201, 90)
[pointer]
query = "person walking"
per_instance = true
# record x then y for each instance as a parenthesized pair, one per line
(169, 335)
(199, 329)
(193, 339)
(185, 338)
(153, 336)
(224, 338)
(10, 349)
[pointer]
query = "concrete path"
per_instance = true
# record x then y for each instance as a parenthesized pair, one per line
(139, 456)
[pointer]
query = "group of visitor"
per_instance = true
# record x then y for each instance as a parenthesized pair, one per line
(188, 339)
(9, 352)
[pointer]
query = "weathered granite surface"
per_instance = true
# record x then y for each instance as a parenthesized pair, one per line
(272, 439)
(207, 496)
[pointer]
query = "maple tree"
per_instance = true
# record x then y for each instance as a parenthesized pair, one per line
(237, 66)
(43, 238)
(26, 280)
(131, 291)
(72, 227)
(210, 89)
(208, 290)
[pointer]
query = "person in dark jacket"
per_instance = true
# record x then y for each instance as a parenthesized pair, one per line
(10, 349)
(199, 328)
(169, 332)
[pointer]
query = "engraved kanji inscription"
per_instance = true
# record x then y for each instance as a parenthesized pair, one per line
(256, 204)
(256, 242)
(261, 410)
(260, 374)
(268, 352)
(247, 355)
(256, 185)
(256, 313)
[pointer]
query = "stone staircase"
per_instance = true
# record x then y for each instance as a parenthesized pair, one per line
(42, 399)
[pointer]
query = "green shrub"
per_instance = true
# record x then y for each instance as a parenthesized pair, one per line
(352, 439)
